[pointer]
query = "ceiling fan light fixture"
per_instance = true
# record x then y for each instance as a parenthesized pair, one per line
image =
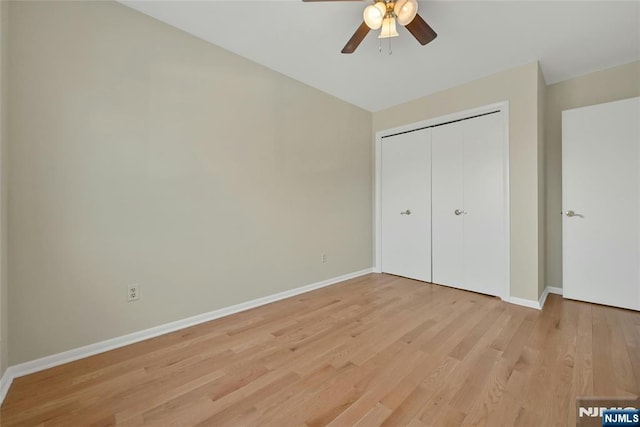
(374, 15)
(388, 28)
(405, 10)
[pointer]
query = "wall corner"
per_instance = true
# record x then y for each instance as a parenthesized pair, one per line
(4, 45)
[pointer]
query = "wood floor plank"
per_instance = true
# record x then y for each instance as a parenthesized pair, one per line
(376, 350)
(400, 371)
(603, 370)
(632, 341)
(374, 417)
(621, 360)
(489, 396)
(582, 384)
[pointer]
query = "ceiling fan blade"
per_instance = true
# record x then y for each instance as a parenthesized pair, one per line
(326, 0)
(421, 30)
(356, 38)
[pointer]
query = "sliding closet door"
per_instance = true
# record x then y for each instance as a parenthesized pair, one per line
(406, 205)
(469, 250)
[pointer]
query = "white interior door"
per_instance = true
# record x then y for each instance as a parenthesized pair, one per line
(468, 205)
(484, 222)
(406, 204)
(447, 205)
(601, 194)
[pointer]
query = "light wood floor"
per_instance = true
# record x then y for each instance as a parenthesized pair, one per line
(377, 350)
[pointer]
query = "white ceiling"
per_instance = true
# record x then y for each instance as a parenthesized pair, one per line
(475, 39)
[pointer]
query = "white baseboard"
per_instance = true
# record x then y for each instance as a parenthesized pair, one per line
(555, 290)
(113, 343)
(524, 302)
(535, 304)
(543, 298)
(5, 383)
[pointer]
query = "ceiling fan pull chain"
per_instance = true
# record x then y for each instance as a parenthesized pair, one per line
(390, 51)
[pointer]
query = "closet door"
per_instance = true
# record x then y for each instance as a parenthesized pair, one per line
(406, 205)
(469, 250)
(484, 222)
(447, 204)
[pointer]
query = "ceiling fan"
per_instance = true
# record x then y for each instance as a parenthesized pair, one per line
(384, 14)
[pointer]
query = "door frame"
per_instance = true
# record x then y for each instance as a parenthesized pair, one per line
(503, 108)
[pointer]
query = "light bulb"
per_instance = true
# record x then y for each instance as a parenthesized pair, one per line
(388, 28)
(374, 15)
(405, 10)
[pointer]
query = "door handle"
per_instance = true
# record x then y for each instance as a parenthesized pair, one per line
(459, 212)
(571, 214)
(407, 212)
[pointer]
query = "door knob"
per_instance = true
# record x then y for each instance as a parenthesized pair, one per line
(459, 212)
(407, 212)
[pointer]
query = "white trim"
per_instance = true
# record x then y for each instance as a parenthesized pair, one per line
(538, 305)
(555, 290)
(549, 290)
(117, 342)
(377, 210)
(5, 383)
(523, 302)
(543, 298)
(503, 107)
(507, 197)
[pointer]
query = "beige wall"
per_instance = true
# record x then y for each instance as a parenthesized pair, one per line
(519, 86)
(603, 86)
(4, 44)
(140, 154)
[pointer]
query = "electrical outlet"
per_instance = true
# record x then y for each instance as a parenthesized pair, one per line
(323, 257)
(133, 292)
